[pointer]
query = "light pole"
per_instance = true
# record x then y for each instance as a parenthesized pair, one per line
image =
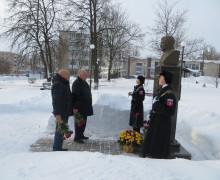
(181, 67)
(202, 62)
(217, 74)
(92, 46)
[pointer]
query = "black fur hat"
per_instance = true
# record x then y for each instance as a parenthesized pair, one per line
(141, 78)
(167, 76)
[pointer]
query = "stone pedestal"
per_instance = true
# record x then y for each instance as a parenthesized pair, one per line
(176, 88)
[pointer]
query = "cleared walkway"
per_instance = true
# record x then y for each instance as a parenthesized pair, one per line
(98, 145)
(91, 145)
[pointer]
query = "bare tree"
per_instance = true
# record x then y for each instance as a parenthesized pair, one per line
(87, 13)
(171, 21)
(119, 35)
(33, 28)
(210, 53)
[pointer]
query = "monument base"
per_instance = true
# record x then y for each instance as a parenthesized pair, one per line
(178, 151)
(174, 144)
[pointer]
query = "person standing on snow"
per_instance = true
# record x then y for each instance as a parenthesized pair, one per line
(136, 113)
(62, 104)
(157, 141)
(82, 103)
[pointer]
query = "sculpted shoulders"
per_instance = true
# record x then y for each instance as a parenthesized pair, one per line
(170, 57)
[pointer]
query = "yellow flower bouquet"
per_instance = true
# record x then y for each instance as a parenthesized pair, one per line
(129, 140)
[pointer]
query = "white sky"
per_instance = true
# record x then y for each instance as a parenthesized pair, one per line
(203, 17)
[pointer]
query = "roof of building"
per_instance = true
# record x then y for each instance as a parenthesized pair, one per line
(205, 61)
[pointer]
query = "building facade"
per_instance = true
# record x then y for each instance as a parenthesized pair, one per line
(146, 67)
(206, 67)
(140, 66)
(12, 63)
(74, 50)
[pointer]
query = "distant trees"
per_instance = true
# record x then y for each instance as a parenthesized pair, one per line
(87, 14)
(119, 35)
(210, 53)
(110, 31)
(171, 22)
(33, 28)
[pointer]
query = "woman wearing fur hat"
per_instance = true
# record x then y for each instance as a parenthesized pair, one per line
(136, 114)
(157, 141)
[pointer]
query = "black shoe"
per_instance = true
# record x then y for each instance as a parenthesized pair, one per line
(84, 137)
(79, 141)
(64, 149)
(60, 149)
(142, 155)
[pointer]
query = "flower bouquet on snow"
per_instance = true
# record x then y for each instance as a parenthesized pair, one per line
(64, 130)
(79, 120)
(129, 140)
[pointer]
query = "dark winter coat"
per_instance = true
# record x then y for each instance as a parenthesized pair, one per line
(82, 97)
(61, 97)
(138, 97)
(157, 140)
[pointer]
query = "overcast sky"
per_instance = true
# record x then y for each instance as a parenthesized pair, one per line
(203, 17)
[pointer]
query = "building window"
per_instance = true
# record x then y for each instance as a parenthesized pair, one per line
(197, 66)
(73, 36)
(152, 73)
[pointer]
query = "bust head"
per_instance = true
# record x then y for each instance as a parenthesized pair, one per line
(167, 43)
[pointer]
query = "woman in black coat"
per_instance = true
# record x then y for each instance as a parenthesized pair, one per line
(137, 114)
(157, 141)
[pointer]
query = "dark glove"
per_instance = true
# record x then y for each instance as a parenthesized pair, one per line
(151, 115)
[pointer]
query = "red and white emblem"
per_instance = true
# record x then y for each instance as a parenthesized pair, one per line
(141, 93)
(169, 102)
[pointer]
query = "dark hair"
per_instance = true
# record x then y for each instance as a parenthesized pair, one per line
(168, 76)
(141, 78)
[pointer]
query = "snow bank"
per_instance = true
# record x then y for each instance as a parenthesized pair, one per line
(26, 117)
(97, 166)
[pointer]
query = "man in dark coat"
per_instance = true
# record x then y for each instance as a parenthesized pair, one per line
(157, 141)
(82, 103)
(138, 96)
(62, 104)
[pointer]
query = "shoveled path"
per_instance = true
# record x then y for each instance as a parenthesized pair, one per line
(104, 146)
(91, 145)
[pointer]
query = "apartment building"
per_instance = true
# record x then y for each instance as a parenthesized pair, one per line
(74, 50)
(12, 63)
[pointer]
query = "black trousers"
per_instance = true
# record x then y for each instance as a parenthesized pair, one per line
(80, 130)
(136, 129)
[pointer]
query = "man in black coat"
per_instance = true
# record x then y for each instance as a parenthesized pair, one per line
(82, 103)
(62, 104)
(157, 141)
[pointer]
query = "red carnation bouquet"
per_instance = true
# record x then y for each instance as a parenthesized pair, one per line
(146, 126)
(79, 120)
(63, 128)
(136, 117)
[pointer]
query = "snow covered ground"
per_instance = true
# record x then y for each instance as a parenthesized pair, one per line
(25, 113)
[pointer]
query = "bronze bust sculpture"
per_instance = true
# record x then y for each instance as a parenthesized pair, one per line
(170, 56)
